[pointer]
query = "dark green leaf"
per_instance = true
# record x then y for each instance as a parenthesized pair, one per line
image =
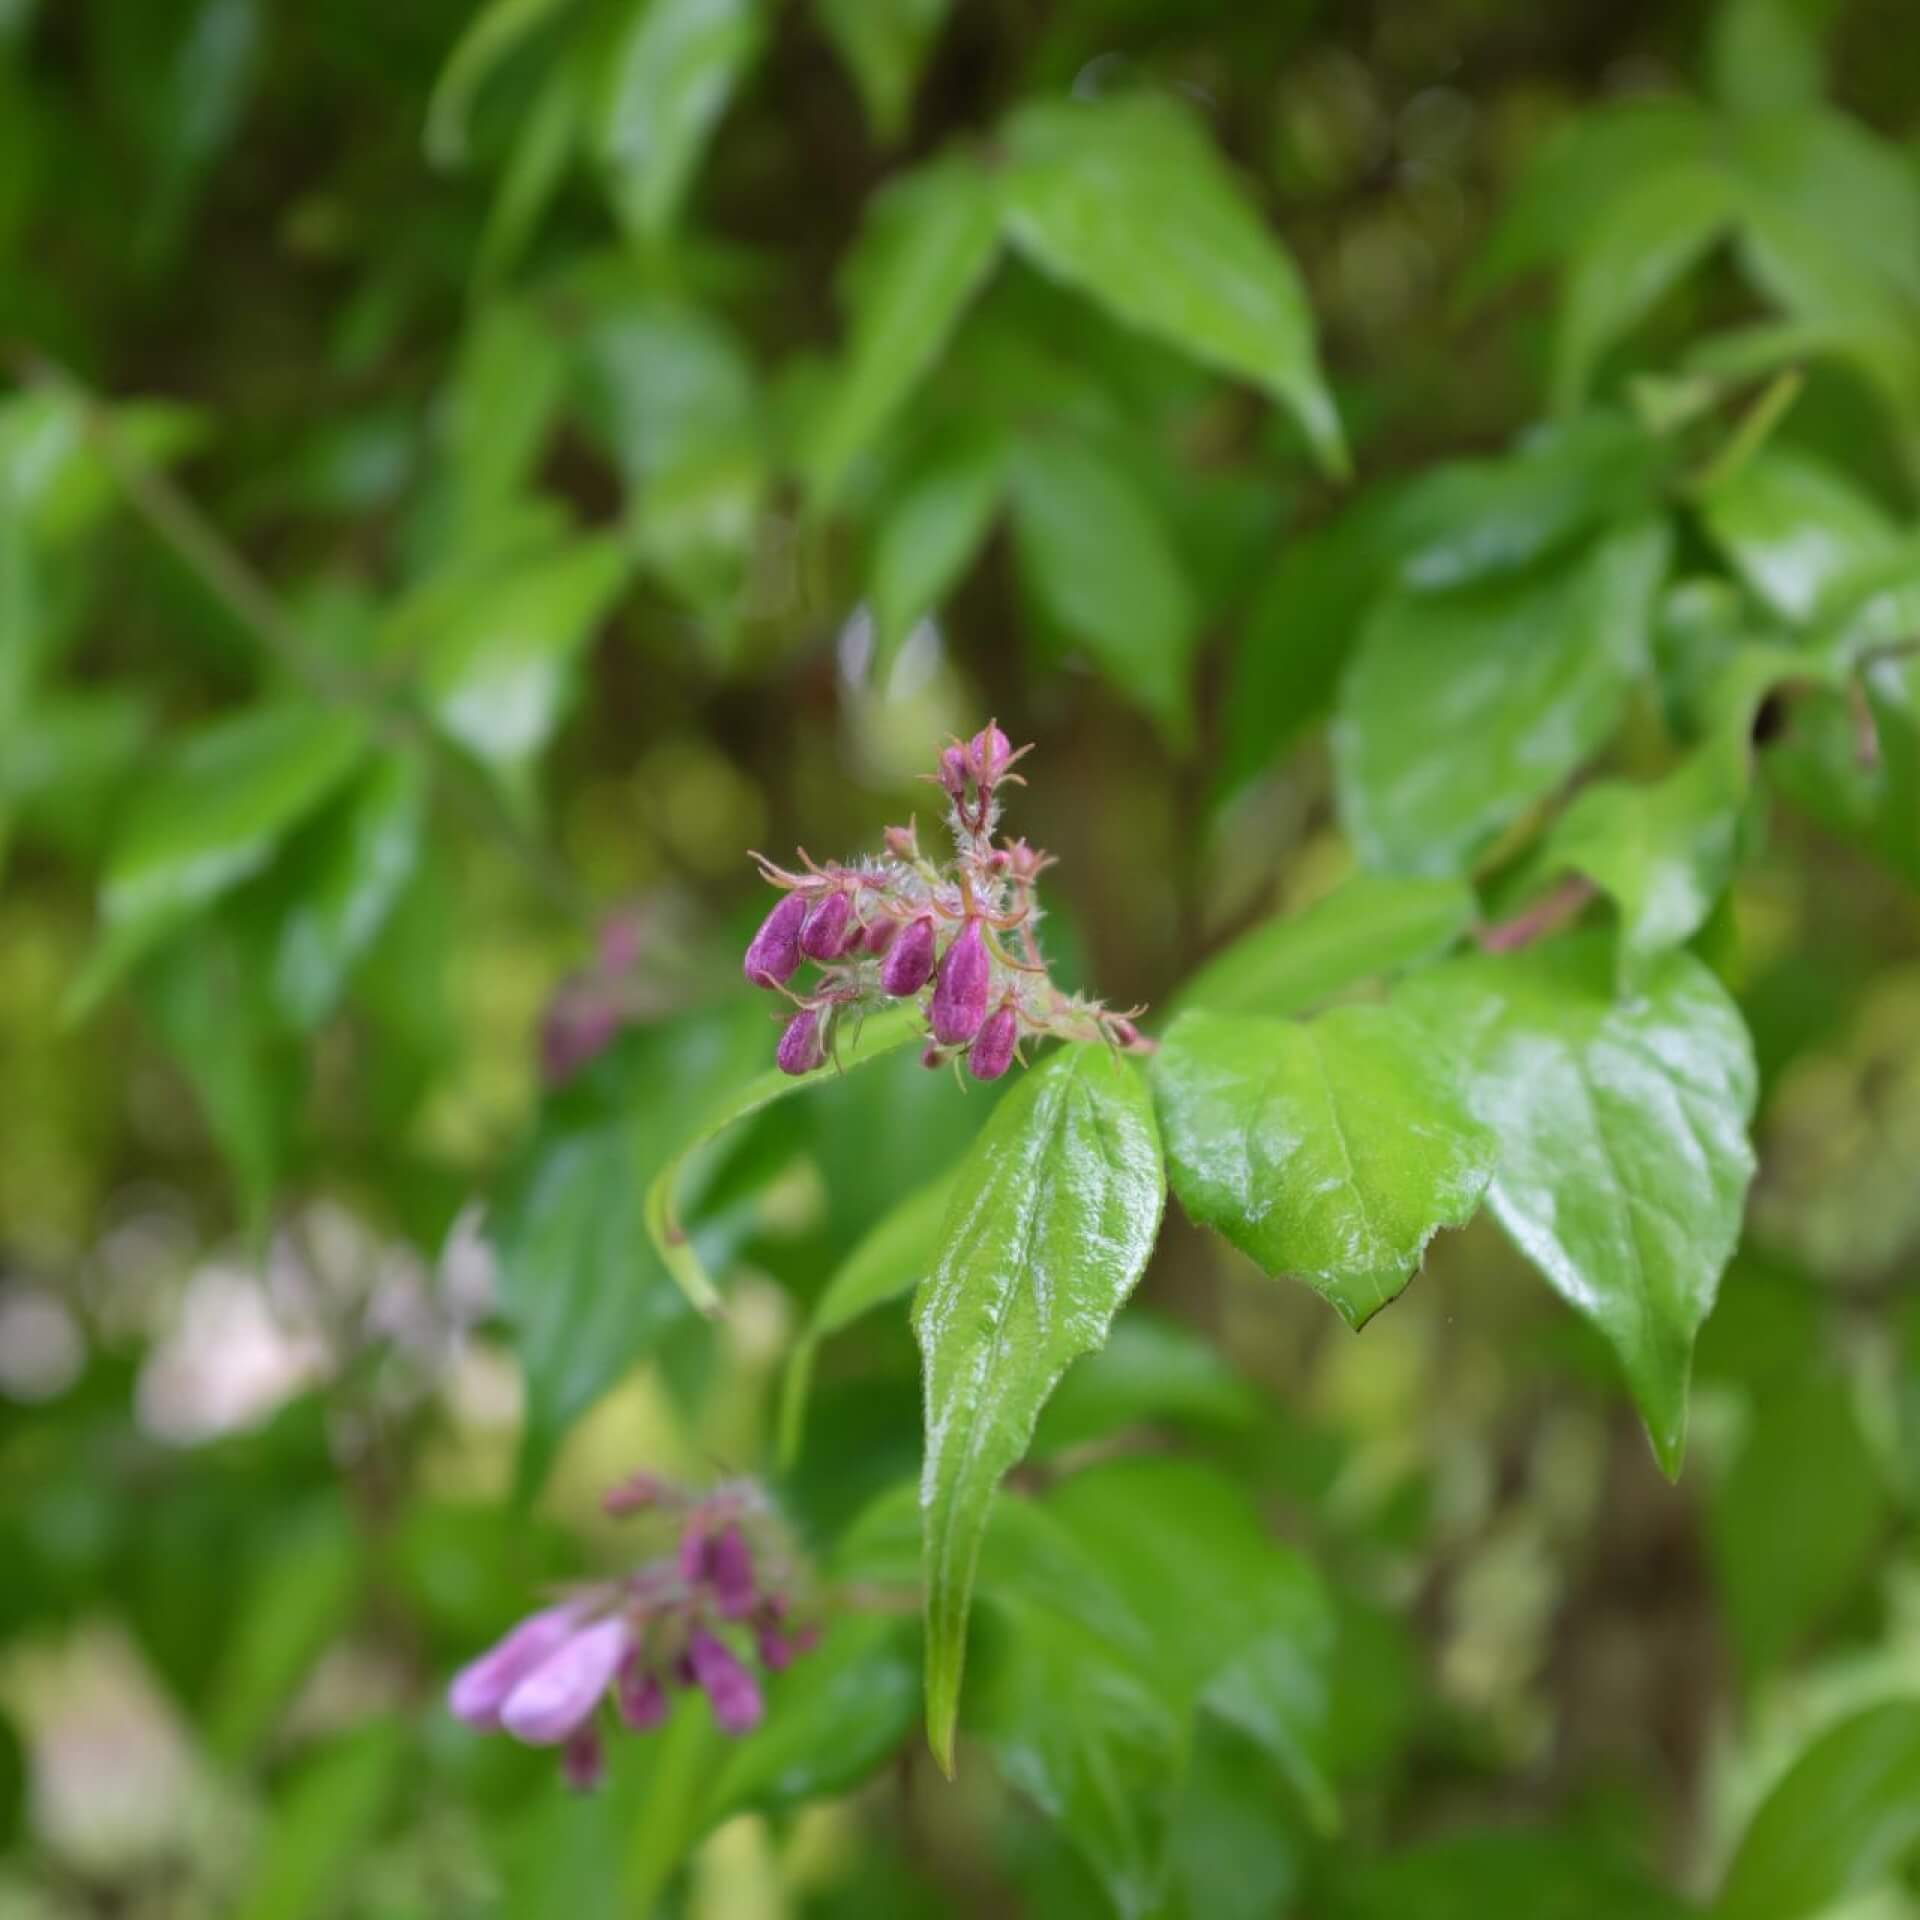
(1622, 1130)
(1333, 1149)
(1462, 710)
(491, 35)
(885, 44)
(1051, 1223)
(1127, 199)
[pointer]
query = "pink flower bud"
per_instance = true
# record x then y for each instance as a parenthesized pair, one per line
(825, 933)
(992, 1051)
(638, 1492)
(1124, 1032)
(800, 1049)
(953, 771)
(578, 1026)
(582, 1763)
(775, 1649)
(693, 1550)
(617, 949)
(774, 952)
(989, 754)
(730, 1573)
(731, 1690)
(879, 937)
(640, 1697)
(931, 1057)
(480, 1687)
(910, 961)
(559, 1695)
(960, 995)
(902, 842)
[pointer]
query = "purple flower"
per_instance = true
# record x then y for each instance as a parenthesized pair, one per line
(800, 1049)
(732, 1692)
(992, 1050)
(773, 954)
(583, 1765)
(694, 1548)
(989, 755)
(578, 1026)
(953, 770)
(481, 1686)
(910, 962)
(776, 1650)
(640, 1697)
(730, 1573)
(559, 1695)
(879, 936)
(825, 933)
(960, 995)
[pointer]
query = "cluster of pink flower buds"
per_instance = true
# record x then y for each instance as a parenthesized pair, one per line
(682, 1619)
(957, 936)
(588, 1010)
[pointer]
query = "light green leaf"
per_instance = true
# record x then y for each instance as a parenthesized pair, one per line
(497, 662)
(551, 132)
(210, 816)
(1053, 1217)
(1845, 1816)
(1103, 566)
(1371, 924)
(498, 410)
(1622, 1129)
(929, 533)
(1645, 246)
(1238, 1850)
(925, 249)
(667, 77)
(492, 34)
(885, 44)
(895, 1256)
(1333, 1149)
(1127, 199)
(1795, 529)
(54, 480)
(879, 1034)
(354, 865)
(1765, 56)
(1462, 710)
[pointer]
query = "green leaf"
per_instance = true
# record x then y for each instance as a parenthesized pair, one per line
(1051, 1222)
(322, 1825)
(926, 246)
(499, 647)
(1151, 1369)
(493, 33)
(208, 817)
(1238, 1850)
(1795, 530)
(1645, 246)
(667, 77)
(1372, 924)
(885, 44)
(1765, 56)
(1462, 710)
(894, 1257)
(13, 1785)
(879, 1034)
(1239, 1623)
(1103, 566)
(832, 1718)
(1126, 199)
(1622, 1129)
(498, 410)
(353, 869)
(928, 535)
(1333, 1149)
(551, 132)
(1844, 1817)
(1794, 1525)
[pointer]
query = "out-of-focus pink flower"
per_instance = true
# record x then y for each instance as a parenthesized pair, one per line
(731, 1690)
(480, 1688)
(560, 1694)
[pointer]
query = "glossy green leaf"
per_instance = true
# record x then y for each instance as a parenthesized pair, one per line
(1127, 199)
(494, 32)
(1795, 529)
(1333, 1149)
(1151, 1370)
(1644, 247)
(1372, 924)
(929, 533)
(1103, 566)
(499, 650)
(1239, 1623)
(879, 1034)
(926, 247)
(885, 44)
(894, 1257)
(667, 77)
(1622, 1139)
(832, 1718)
(1462, 710)
(1794, 1524)
(1051, 1222)
(1845, 1815)
(345, 884)
(210, 816)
